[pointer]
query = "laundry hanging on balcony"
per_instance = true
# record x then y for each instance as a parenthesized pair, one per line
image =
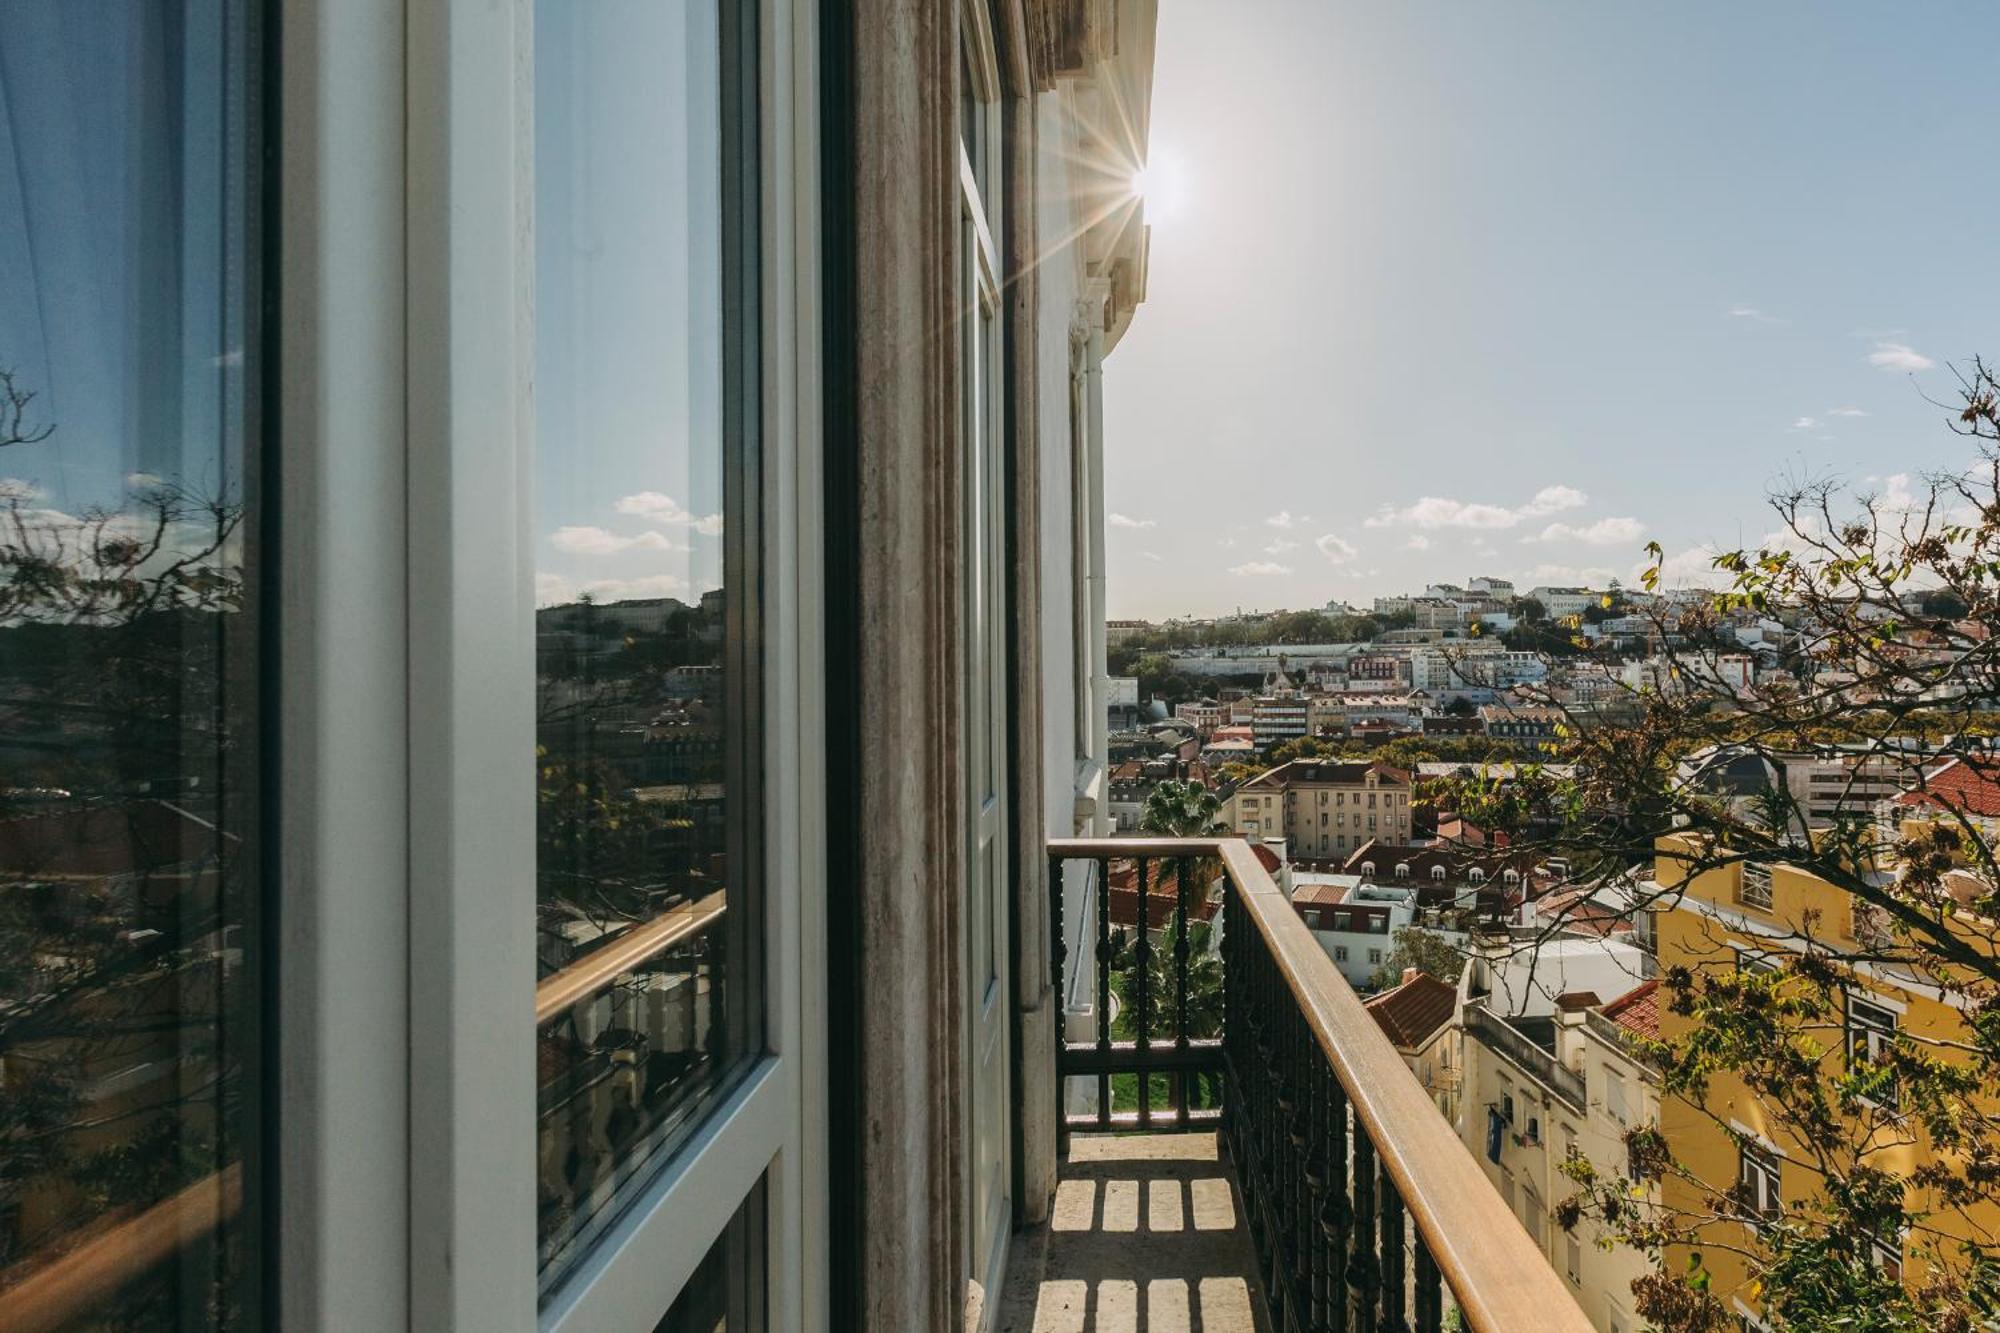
(1496, 1129)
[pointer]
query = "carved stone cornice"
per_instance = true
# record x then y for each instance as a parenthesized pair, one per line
(1065, 37)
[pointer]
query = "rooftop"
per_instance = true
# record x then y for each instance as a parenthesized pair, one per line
(1412, 1012)
(1637, 1009)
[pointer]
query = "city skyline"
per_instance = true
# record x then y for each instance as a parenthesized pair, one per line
(1516, 293)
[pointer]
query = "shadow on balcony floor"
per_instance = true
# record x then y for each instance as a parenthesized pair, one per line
(1146, 1237)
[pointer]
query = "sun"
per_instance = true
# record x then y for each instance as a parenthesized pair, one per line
(1157, 181)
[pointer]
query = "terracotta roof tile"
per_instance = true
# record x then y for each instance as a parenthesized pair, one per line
(1413, 1012)
(1637, 1009)
(1960, 787)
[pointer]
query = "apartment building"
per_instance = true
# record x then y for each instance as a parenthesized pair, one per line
(1526, 723)
(1746, 917)
(1278, 718)
(1204, 715)
(1558, 602)
(628, 484)
(1354, 920)
(1539, 1090)
(1419, 1017)
(1324, 808)
(1821, 786)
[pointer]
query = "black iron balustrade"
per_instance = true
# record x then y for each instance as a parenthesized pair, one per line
(1164, 1039)
(1367, 1214)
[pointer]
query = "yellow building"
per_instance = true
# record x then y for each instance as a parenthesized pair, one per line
(1324, 808)
(1748, 917)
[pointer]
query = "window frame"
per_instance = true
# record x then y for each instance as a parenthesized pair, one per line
(1873, 1035)
(467, 77)
(1762, 1167)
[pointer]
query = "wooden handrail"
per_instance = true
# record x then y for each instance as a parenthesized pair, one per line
(1501, 1281)
(57, 1294)
(598, 969)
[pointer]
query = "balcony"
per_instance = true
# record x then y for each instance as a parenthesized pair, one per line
(1335, 1196)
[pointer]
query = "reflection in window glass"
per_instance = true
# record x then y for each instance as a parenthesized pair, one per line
(726, 1293)
(131, 1089)
(644, 387)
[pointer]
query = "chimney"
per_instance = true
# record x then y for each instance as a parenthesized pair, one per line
(1411, 974)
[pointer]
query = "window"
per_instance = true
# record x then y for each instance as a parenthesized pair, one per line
(1477, 876)
(1754, 885)
(1340, 953)
(1614, 1096)
(1437, 874)
(726, 1292)
(1886, 1255)
(1755, 964)
(1757, 1180)
(135, 880)
(1573, 1260)
(1375, 956)
(1871, 1031)
(1507, 1106)
(649, 948)
(1402, 870)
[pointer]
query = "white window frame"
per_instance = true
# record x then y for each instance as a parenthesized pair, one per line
(1872, 1035)
(1761, 1166)
(422, 115)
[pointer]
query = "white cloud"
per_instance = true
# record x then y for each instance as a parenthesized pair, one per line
(1554, 499)
(1436, 511)
(1604, 532)
(1260, 569)
(1121, 521)
(1419, 542)
(1898, 356)
(1586, 576)
(1845, 412)
(1151, 555)
(586, 540)
(1806, 423)
(13, 488)
(1336, 548)
(1226, 543)
(1280, 546)
(1897, 494)
(1752, 312)
(658, 508)
(1284, 518)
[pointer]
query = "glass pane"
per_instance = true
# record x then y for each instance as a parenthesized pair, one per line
(131, 892)
(647, 997)
(726, 1293)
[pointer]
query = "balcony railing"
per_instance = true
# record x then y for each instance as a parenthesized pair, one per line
(1515, 1046)
(1365, 1210)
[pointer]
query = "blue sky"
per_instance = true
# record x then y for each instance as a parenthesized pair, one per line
(1442, 289)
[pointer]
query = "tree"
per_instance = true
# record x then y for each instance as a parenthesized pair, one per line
(1529, 609)
(1895, 603)
(1158, 679)
(1181, 809)
(1424, 950)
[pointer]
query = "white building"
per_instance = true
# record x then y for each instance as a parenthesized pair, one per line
(1537, 1091)
(1560, 602)
(1354, 920)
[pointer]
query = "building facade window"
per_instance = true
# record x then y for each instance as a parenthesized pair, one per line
(136, 865)
(1757, 1181)
(648, 945)
(1871, 1033)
